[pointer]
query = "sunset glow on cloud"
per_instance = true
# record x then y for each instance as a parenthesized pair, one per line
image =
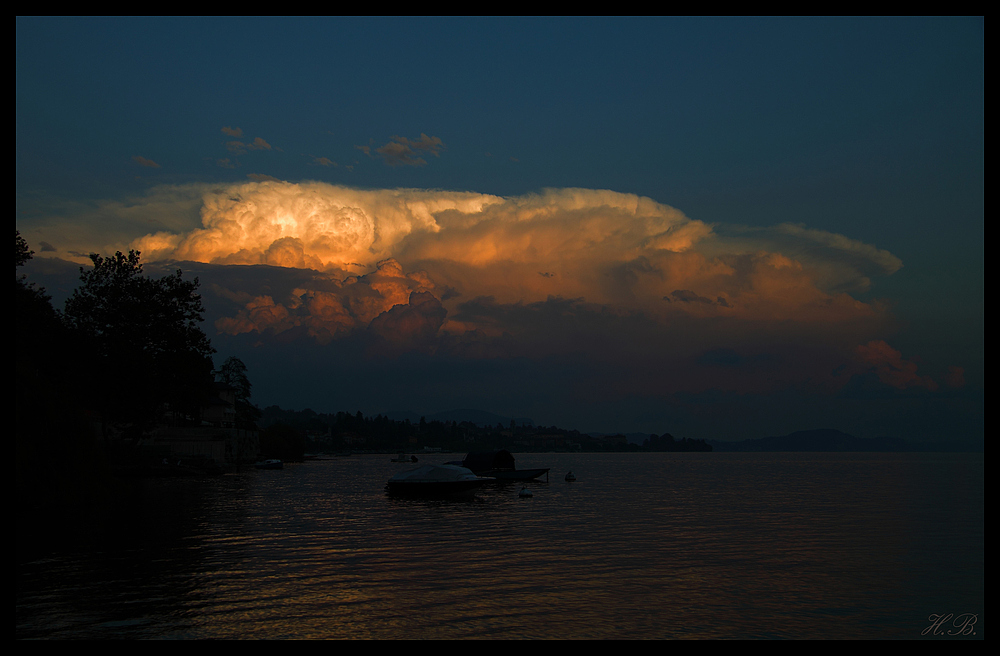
(761, 231)
(618, 250)
(891, 368)
(479, 274)
(649, 302)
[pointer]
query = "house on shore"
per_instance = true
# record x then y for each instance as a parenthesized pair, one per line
(218, 435)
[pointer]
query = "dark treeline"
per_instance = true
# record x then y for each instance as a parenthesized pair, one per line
(126, 348)
(126, 355)
(57, 459)
(343, 431)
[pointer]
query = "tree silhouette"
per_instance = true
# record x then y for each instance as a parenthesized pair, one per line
(147, 347)
(41, 338)
(21, 247)
(234, 373)
(56, 464)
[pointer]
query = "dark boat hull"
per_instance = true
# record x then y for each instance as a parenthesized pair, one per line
(514, 474)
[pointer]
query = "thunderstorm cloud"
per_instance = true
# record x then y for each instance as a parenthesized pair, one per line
(619, 277)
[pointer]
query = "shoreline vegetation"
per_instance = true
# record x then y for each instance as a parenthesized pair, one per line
(342, 432)
(125, 359)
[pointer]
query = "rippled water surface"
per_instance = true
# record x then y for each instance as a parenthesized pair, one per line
(780, 545)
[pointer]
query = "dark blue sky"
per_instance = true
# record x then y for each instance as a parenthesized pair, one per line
(852, 148)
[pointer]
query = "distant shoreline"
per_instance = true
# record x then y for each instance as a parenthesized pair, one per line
(829, 440)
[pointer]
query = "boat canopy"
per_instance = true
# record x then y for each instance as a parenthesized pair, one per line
(433, 473)
(489, 460)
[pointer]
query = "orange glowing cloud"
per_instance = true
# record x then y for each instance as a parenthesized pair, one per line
(619, 251)
(345, 306)
(890, 367)
(331, 227)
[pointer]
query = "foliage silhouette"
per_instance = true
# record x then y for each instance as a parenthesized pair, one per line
(147, 349)
(58, 467)
(234, 374)
(23, 253)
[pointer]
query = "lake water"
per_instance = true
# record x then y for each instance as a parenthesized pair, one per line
(662, 545)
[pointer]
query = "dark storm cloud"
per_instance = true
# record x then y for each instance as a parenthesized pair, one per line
(241, 148)
(401, 151)
(687, 296)
(411, 326)
(142, 161)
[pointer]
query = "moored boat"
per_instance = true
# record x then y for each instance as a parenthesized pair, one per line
(500, 465)
(435, 481)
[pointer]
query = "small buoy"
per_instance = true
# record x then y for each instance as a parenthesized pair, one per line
(570, 477)
(525, 492)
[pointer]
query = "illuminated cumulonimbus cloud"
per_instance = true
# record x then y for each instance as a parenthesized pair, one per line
(327, 227)
(378, 249)
(309, 225)
(382, 300)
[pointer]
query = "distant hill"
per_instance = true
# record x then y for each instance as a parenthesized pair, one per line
(828, 439)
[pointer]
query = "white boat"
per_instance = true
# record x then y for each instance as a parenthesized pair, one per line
(435, 481)
(269, 464)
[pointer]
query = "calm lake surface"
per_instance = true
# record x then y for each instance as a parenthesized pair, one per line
(662, 545)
